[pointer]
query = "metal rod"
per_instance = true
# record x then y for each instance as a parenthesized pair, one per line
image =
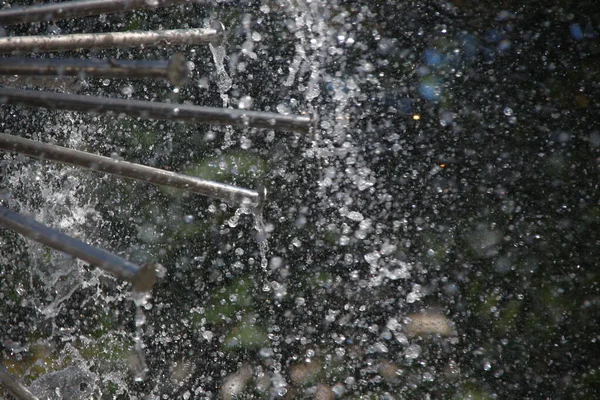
(78, 9)
(126, 169)
(142, 278)
(15, 386)
(79, 41)
(175, 70)
(156, 110)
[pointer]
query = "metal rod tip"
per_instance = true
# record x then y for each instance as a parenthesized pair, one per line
(178, 71)
(147, 277)
(262, 198)
(219, 29)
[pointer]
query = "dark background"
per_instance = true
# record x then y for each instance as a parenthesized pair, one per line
(475, 127)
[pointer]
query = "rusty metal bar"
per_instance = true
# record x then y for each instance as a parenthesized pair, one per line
(82, 41)
(126, 169)
(14, 386)
(174, 70)
(142, 278)
(156, 110)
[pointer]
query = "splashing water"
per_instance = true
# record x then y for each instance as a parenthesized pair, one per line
(261, 236)
(224, 83)
(139, 365)
(345, 176)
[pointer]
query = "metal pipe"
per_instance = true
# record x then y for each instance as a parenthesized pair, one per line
(175, 70)
(142, 278)
(15, 386)
(126, 169)
(79, 41)
(78, 9)
(156, 110)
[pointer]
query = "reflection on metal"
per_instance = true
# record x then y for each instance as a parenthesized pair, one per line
(175, 70)
(166, 38)
(129, 170)
(142, 278)
(156, 110)
(78, 9)
(14, 386)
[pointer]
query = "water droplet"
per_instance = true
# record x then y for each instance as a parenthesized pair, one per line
(266, 352)
(256, 36)
(487, 365)
(283, 109)
(355, 216)
(413, 351)
(245, 103)
(127, 90)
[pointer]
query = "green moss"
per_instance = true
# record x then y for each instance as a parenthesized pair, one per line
(246, 336)
(226, 302)
(471, 392)
(509, 315)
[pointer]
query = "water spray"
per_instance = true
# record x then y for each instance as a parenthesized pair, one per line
(80, 9)
(175, 70)
(142, 278)
(126, 169)
(14, 386)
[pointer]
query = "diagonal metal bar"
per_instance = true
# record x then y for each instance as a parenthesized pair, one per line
(156, 110)
(142, 278)
(78, 9)
(175, 70)
(14, 386)
(126, 169)
(166, 38)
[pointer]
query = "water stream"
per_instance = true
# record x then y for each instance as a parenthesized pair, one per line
(400, 252)
(340, 172)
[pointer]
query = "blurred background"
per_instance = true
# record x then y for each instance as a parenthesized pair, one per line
(436, 236)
